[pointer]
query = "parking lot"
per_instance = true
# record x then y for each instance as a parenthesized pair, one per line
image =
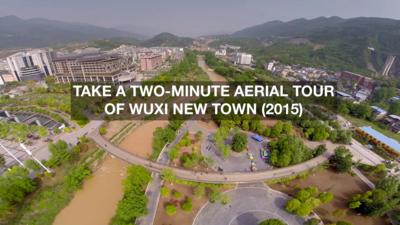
(236, 161)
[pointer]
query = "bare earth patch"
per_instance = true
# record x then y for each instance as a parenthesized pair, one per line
(343, 186)
(115, 126)
(181, 217)
(139, 141)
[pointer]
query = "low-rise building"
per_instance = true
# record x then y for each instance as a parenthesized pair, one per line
(377, 138)
(378, 112)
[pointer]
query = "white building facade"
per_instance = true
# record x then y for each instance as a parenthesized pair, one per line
(243, 59)
(39, 60)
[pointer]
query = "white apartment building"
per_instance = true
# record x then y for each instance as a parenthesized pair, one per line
(34, 60)
(220, 52)
(243, 58)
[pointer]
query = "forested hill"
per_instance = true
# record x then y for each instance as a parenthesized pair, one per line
(335, 43)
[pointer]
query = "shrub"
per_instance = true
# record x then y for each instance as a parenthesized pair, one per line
(164, 192)
(102, 130)
(75, 177)
(32, 165)
(176, 194)
(312, 221)
(170, 209)
(187, 205)
(272, 222)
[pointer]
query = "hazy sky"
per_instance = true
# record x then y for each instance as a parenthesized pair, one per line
(194, 17)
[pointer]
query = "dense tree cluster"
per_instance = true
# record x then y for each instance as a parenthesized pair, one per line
(379, 201)
(15, 184)
(306, 200)
(317, 130)
(162, 136)
(288, 150)
(134, 202)
(362, 110)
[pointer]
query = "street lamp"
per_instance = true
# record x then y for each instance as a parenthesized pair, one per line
(31, 155)
(12, 155)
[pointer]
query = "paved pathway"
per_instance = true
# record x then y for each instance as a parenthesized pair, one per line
(213, 177)
(154, 187)
(250, 204)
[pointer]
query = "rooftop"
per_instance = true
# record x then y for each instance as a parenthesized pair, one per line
(382, 138)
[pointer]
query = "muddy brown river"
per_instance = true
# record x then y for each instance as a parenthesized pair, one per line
(96, 202)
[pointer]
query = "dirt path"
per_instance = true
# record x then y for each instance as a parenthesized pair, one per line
(214, 77)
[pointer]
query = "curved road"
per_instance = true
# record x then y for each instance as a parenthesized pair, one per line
(249, 205)
(210, 177)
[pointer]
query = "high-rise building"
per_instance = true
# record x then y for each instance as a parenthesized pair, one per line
(25, 63)
(93, 67)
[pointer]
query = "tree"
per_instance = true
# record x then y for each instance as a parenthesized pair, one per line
(168, 175)
(15, 184)
(306, 200)
(277, 129)
(239, 142)
(394, 108)
(293, 205)
(176, 194)
(343, 223)
(102, 130)
(272, 222)
(287, 128)
(326, 197)
(170, 209)
(42, 131)
(187, 205)
(379, 201)
(173, 153)
(313, 221)
(341, 161)
(164, 191)
(59, 153)
(319, 150)
(288, 150)
(191, 160)
(199, 190)
(32, 165)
